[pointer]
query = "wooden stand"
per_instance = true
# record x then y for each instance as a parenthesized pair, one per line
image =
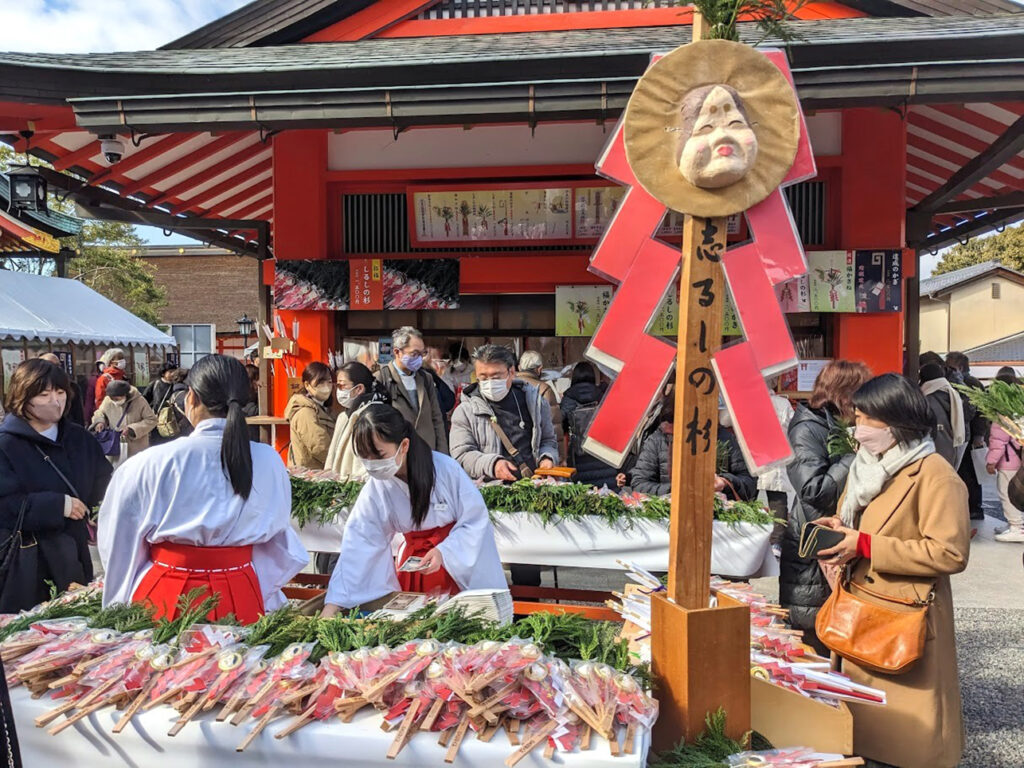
(701, 655)
(702, 663)
(786, 718)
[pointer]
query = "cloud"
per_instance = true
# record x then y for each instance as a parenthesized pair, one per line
(79, 26)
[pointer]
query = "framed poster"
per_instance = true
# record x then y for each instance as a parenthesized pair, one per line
(537, 213)
(140, 365)
(831, 275)
(879, 280)
(580, 308)
(12, 358)
(794, 295)
(66, 362)
(593, 208)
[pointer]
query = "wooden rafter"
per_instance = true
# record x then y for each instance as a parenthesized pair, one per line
(118, 171)
(208, 174)
(177, 166)
(196, 203)
(994, 203)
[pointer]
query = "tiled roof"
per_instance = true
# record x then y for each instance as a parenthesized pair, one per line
(944, 282)
(53, 222)
(1005, 350)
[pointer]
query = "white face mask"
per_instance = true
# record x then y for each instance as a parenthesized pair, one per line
(383, 469)
(122, 364)
(494, 389)
(344, 397)
(323, 393)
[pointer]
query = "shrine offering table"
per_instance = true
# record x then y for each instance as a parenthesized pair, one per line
(145, 743)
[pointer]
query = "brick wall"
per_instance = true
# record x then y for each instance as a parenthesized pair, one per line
(215, 289)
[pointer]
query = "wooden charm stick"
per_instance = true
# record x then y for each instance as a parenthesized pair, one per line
(432, 714)
(402, 737)
(263, 722)
(456, 742)
(137, 702)
(299, 722)
(531, 743)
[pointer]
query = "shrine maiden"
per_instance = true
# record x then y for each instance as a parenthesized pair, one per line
(427, 497)
(211, 510)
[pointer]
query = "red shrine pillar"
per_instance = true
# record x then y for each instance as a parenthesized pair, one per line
(873, 214)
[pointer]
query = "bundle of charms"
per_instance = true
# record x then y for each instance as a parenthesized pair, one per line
(778, 654)
(419, 687)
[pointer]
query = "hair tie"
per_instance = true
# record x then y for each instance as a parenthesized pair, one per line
(234, 401)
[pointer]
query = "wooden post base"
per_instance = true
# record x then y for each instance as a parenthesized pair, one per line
(701, 662)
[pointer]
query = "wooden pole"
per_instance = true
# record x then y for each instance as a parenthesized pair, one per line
(700, 655)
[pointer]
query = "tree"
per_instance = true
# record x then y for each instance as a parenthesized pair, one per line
(105, 260)
(1007, 247)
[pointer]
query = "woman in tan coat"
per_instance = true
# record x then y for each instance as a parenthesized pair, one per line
(905, 516)
(309, 416)
(125, 409)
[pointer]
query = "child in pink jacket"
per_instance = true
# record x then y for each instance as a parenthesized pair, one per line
(1003, 461)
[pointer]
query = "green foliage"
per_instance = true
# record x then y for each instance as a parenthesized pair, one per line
(321, 501)
(742, 512)
(709, 750)
(1006, 247)
(1002, 403)
(191, 609)
(86, 605)
(771, 17)
(124, 617)
(569, 501)
(840, 440)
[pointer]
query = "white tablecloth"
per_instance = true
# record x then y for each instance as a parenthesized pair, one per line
(208, 744)
(739, 551)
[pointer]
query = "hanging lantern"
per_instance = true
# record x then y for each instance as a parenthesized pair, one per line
(28, 188)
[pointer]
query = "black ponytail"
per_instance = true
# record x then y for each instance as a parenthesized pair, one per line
(222, 386)
(390, 426)
(373, 390)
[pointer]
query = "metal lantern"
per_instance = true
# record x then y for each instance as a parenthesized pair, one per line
(245, 327)
(28, 188)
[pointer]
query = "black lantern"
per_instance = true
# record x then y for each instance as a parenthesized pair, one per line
(28, 188)
(245, 327)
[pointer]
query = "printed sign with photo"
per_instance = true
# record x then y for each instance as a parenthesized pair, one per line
(879, 280)
(832, 276)
(580, 308)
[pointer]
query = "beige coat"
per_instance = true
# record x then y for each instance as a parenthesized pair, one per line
(342, 458)
(138, 417)
(920, 534)
(312, 427)
(549, 394)
(425, 413)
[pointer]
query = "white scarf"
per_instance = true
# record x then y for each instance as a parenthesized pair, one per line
(956, 408)
(869, 473)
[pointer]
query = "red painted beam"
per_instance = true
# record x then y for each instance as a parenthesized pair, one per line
(177, 166)
(369, 21)
(196, 203)
(140, 157)
(210, 173)
(77, 156)
(244, 196)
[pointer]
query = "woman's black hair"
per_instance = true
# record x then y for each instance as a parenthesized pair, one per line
(583, 373)
(222, 386)
(896, 401)
(317, 373)
(373, 391)
(390, 426)
(1007, 374)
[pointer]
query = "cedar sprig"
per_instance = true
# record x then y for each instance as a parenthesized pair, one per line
(1001, 403)
(709, 750)
(772, 17)
(840, 441)
(85, 606)
(124, 617)
(192, 609)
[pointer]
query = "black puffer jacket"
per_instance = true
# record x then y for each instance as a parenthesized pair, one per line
(653, 472)
(819, 481)
(589, 469)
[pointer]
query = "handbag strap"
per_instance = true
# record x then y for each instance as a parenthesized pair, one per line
(68, 483)
(891, 599)
(512, 450)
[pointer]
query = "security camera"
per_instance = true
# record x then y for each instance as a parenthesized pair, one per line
(112, 149)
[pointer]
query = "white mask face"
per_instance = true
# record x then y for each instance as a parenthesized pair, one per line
(122, 364)
(323, 392)
(383, 469)
(344, 397)
(494, 390)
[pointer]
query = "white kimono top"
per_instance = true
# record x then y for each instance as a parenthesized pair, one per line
(178, 492)
(366, 567)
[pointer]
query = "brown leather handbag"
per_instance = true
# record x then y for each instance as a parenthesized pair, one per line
(872, 636)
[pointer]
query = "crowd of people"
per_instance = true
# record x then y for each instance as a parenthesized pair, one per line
(898, 492)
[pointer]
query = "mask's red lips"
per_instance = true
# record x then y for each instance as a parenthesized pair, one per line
(725, 151)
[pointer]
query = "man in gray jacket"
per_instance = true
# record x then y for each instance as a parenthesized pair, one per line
(523, 415)
(516, 407)
(412, 390)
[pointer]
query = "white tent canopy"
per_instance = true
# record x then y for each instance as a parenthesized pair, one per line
(59, 310)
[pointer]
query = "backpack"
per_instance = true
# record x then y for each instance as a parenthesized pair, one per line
(579, 422)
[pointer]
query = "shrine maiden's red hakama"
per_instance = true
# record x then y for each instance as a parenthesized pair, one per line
(171, 521)
(457, 525)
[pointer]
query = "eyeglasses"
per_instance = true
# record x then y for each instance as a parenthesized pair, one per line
(413, 353)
